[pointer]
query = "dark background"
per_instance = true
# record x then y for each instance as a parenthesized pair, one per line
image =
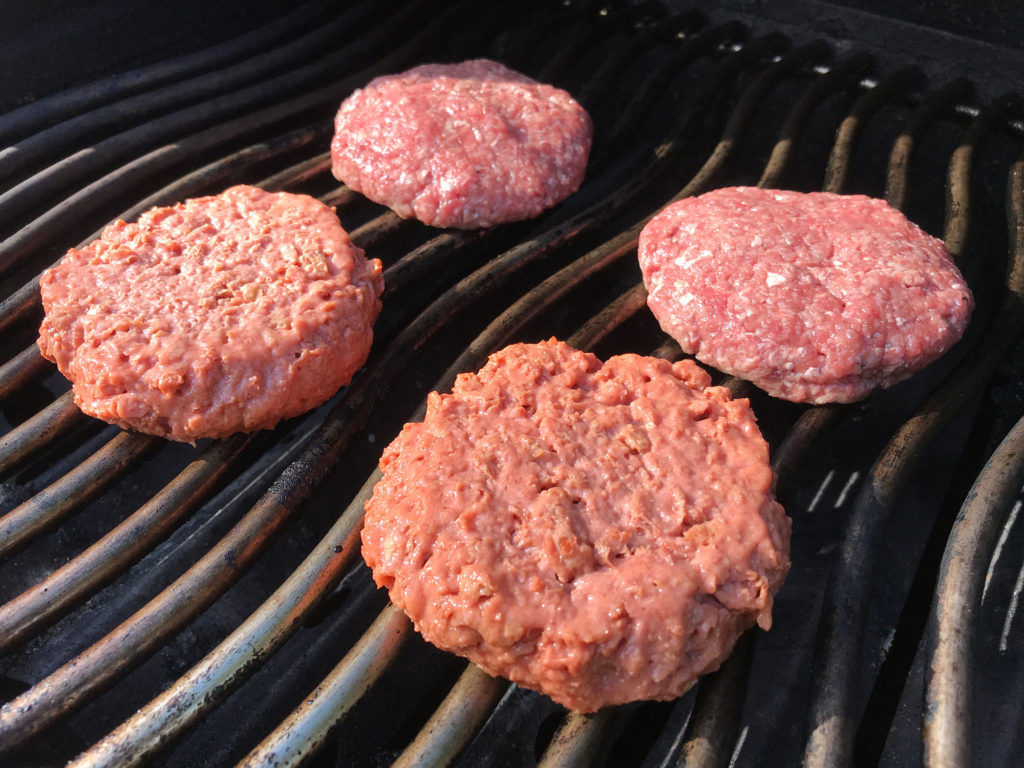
(48, 46)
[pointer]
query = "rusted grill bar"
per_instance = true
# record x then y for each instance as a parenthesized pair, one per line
(744, 112)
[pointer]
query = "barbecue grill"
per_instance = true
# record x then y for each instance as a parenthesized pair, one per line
(166, 604)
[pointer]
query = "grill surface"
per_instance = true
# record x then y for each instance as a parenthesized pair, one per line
(175, 605)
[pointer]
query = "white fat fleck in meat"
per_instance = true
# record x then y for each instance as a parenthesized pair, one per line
(685, 299)
(845, 276)
(498, 145)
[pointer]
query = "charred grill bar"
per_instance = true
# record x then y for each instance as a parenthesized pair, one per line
(168, 604)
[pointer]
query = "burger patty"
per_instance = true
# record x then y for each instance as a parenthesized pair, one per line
(814, 297)
(218, 315)
(462, 145)
(600, 532)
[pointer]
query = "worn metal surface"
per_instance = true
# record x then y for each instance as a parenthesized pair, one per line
(162, 605)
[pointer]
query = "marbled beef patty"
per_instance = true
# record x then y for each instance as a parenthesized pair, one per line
(600, 532)
(218, 315)
(814, 297)
(462, 145)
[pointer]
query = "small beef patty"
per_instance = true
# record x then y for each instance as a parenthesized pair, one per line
(218, 315)
(462, 145)
(600, 532)
(814, 297)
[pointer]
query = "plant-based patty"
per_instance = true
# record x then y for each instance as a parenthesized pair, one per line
(462, 145)
(814, 297)
(218, 315)
(600, 532)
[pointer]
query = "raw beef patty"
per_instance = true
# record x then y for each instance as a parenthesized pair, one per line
(462, 145)
(218, 315)
(814, 297)
(600, 532)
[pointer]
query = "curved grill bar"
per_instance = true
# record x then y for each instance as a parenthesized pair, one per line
(43, 144)
(52, 182)
(201, 683)
(302, 733)
(948, 720)
(26, 366)
(62, 414)
(587, 240)
(720, 695)
(892, 87)
(53, 595)
(33, 117)
(941, 101)
(77, 487)
(833, 719)
(834, 80)
(578, 741)
(456, 720)
(502, 328)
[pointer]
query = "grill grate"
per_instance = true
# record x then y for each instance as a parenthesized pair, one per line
(166, 604)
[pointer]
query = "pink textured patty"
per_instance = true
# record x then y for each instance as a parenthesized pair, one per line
(602, 533)
(462, 145)
(814, 297)
(218, 315)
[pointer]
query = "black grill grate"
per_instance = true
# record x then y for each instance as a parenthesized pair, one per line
(164, 604)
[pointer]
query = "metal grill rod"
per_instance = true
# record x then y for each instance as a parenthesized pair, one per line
(56, 418)
(958, 595)
(366, 661)
(115, 552)
(936, 104)
(49, 684)
(893, 87)
(180, 705)
(35, 235)
(556, 286)
(37, 115)
(832, 720)
(86, 481)
(948, 714)
(845, 73)
(134, 110)
(715, 722)
(578, 741)
(455, 721)
(25, 367)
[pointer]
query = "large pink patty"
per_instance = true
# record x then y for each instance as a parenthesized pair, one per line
(600, 532)
(814, 297)
(218, 315)
(462, 145)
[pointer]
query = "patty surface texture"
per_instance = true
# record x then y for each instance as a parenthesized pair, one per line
(599, 532)
(462, 145)
(218, 315)
(814, 297)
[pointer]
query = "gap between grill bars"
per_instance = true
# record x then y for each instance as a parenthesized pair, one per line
(163, 604)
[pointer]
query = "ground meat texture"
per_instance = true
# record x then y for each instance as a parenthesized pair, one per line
(814, 297)
(600, 532)
(218, 315)
(462, 145)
